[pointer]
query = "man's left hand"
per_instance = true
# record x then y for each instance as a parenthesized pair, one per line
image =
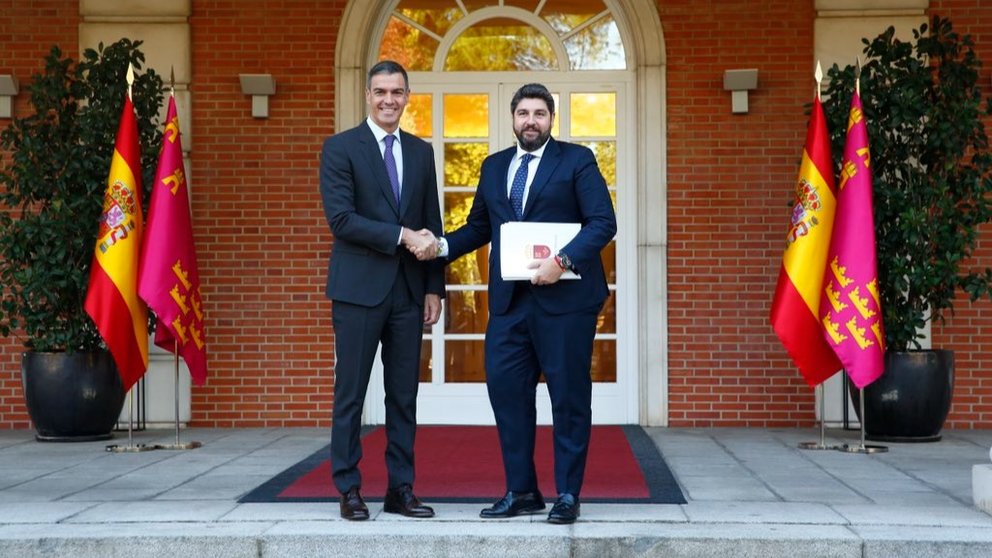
(548, 272)
(432, 309)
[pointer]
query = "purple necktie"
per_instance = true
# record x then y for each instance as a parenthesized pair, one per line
(517, 186)
(394, 177)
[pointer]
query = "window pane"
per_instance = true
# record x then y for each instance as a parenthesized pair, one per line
(606, 157)
(604, 361)
(462, 163)
(470, 269)
(593, 114)
(408, 46)
(529, 5)
(472, 5)
(607, 321)
(609, 259)
(426, 362)
(464, 361)
(501, 44)
(432, 15)
(466, 311)
(466, 116)
(565, 15)
(597, 47)
(417, 116)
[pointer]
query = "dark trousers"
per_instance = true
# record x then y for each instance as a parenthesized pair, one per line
(520, 345)
(398, 324)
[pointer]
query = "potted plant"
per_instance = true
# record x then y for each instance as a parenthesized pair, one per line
(932, 191)
(52, 182)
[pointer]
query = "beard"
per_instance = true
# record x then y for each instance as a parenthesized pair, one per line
(534, 144)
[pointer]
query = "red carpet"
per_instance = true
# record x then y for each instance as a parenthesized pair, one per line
(463, 464)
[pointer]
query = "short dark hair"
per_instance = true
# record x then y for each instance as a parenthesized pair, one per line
(387, 67)
(533, 91)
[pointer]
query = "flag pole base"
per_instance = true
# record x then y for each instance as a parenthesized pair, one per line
(184, 446)
(117, 448)
(815, 446)
(862, 448)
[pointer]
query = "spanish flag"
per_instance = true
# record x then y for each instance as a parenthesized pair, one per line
(168, 279)
(112, 296)
(796, 307)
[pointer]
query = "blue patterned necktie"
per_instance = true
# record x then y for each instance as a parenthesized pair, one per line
(394, 177)
(517, 186)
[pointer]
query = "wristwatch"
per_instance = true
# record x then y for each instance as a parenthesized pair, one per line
(565, 261)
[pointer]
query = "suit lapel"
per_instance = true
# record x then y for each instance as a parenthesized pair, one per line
(503, 170)
(546, 166)
(370, 148)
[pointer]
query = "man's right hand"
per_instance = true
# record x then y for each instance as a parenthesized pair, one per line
(422, 243)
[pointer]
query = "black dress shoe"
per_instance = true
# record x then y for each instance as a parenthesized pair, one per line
(514, 504)
(565, 510)
(353, 506)
(402, 501)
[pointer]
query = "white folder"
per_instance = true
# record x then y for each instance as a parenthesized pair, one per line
(522, 242)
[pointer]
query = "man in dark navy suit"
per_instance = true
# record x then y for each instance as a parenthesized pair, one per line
(379, 189)
(545, 325)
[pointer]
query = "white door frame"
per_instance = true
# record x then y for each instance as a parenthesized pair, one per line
(361, 29)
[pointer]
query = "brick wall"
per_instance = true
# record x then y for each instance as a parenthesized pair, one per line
(263, 242)
(260, 231)
(730, 184)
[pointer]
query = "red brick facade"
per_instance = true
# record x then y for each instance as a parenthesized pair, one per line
(263, 242)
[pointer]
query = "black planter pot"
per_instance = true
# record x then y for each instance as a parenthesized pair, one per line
(72, 397)
(910, 401)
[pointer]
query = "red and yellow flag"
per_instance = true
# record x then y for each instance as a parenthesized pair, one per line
(168, 279)
(796, 307)
(852, 308)
(112, 296)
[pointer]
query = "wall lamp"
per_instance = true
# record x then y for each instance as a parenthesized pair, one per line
(8, 90)
(260, 87)
(739, 82)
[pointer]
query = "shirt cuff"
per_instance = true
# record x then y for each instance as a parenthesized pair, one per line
(443, 251)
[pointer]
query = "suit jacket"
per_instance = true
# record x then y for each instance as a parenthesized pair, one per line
(363, 216)
(567, 188)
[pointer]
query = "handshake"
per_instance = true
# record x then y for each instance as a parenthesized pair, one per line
(422, 243)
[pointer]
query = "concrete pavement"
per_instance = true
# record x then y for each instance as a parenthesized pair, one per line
(750, 492)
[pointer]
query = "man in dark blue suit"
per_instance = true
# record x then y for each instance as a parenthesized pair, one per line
(547, 325)
(379, 188)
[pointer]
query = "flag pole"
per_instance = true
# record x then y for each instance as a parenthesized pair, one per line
(130, 447)
(818, 390)
(178, 445)
(862, 448)
(822, 444)
(175, 347)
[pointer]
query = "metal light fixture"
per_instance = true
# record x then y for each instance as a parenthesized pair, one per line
(260, 87)
(8, 90)
(739, 82)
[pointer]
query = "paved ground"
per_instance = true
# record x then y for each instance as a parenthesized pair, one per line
(751, 492)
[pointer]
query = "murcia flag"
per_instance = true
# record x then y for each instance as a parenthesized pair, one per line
(167, 278)
(851, 309)
(112, 296)
(796, 306)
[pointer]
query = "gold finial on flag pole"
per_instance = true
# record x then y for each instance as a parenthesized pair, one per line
(172, 80)
(130, 78)
(818, 74)
(857, 78)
